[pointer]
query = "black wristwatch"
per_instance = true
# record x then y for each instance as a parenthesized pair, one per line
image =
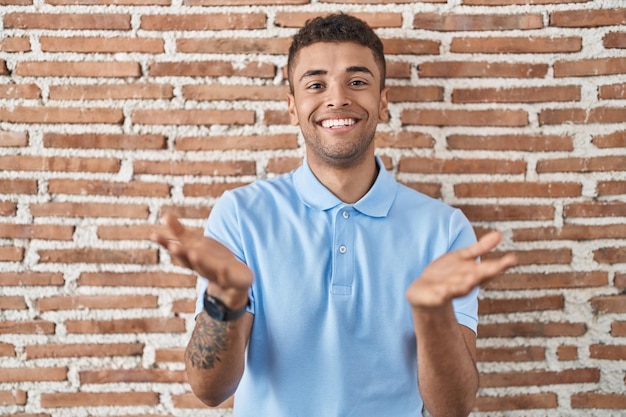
(217, 310)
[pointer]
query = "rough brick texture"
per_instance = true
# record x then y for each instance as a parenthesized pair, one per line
(114, 112)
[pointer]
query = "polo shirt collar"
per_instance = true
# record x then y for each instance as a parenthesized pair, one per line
(376, 203)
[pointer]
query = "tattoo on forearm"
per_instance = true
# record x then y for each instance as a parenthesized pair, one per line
(208, 340)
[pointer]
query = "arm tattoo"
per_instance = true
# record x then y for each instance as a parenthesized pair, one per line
(208, 340)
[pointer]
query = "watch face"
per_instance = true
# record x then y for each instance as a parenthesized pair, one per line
(216, 309)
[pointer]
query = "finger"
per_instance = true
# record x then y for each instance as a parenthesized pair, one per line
(174, 225)
(489, 269)
(483, 246)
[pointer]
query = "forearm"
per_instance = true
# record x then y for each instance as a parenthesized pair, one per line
(214, 357)
(447, 375)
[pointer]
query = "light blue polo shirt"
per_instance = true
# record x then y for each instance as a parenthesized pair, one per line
(333, 334)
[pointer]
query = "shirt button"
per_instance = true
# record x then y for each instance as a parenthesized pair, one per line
(346, 214)
(342, 249)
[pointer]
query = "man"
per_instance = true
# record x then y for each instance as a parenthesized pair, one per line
(328, 285)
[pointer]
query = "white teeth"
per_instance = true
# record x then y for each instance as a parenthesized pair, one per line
(333, 123)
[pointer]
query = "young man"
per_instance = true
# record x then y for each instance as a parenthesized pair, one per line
(325, 287)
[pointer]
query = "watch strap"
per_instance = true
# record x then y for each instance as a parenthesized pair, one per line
(217, 310)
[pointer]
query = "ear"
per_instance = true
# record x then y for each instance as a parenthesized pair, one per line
(383, 109)
(293, 113)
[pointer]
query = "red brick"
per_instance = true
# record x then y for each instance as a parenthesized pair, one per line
(239, 45)
(235, 92)
(12, 302)
(571, 232)
(515, 305)
(140, 325)
(26, 91)
(415, 94)
(406, 46)
(36, 231)
(213, 168)
(620, 280)
(404, 139)
(375, 20)
(94, 44)
(517, 95)
(431, 189)
(169, 355)
(511, 354)
(211, 69)
(18, 186)
(608, 352)
(204, 22)
(13, 139)
(26, 327)
(7, 349)
(11, 254)
(599, 401)
(502, 212)
(276, 117)
(208, 189)
(612, 140)
(110, 376)
(30, 278)
(15, 44)
(595, 209)
(3, 68)
(115, 189)
(516, 402)
(96, 302)
(609, 304)
(103, 141)
(102, 210)
(567, 353)
(539, 256)
(281, 165)
(38, 374)
(591, 164)
(78, 69)
(68, 21)
(186, 306)
(614, 40)
(470, 69)
(461, 166)
(528, 143)
(517, 2)
(13, 397)
(127, 91)
(99, 399)
(72, 115)
(618, 329)
(533, 329)
(81, 350)
(588, 18)
(518, 189)
(129, 232)
(253, 143)
(476, 22)
(98, 256)
(581, 116)
(193, 117)
(554, 280)
(612, 92)
(192, 401)
(47, 164)
(590, 67)
(539, 377)
(137, 279)
(186, 212)
(516, 45)
(242, 2)
(611, 187)
(503, 118)
(610, 255)
(398, 70)
(8, 208)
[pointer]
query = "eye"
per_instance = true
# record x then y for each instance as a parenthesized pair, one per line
(358, 83)
(314, 86)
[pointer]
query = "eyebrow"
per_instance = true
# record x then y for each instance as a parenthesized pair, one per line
(352, 69)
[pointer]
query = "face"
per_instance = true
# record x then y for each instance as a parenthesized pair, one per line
(337, 102)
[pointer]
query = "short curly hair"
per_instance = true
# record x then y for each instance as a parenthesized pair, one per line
(338, 27)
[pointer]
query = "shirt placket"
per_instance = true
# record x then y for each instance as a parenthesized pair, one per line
(343, 251)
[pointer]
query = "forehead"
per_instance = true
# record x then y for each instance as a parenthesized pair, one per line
(334, 57)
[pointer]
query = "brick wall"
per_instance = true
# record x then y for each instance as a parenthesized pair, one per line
(113, 112)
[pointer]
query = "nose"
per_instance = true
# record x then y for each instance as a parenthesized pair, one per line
(337, 96)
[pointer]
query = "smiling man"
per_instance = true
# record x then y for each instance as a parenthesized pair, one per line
(324, 288)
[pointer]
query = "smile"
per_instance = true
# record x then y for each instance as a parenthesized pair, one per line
(337, 123)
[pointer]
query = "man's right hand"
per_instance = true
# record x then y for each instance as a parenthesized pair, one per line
(229, 278)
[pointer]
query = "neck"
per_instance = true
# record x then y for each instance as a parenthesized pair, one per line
(350, 183)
